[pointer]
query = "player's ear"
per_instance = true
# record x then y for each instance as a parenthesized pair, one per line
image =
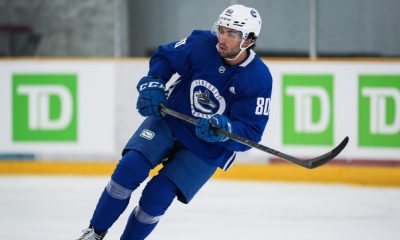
(247, 42)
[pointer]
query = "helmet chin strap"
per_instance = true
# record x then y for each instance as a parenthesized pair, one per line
(241, 50)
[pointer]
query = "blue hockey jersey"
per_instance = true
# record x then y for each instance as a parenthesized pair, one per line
(208, 86)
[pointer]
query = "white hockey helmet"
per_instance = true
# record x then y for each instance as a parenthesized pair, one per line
(241, 18)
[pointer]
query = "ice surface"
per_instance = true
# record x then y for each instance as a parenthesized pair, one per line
(59, 207)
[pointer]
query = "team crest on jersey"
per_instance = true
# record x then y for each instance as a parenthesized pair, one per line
(205, 99)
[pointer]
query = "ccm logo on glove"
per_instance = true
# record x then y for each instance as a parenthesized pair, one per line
(151, 85)
(151, 94)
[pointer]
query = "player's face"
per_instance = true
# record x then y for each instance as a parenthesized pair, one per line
(229, 41)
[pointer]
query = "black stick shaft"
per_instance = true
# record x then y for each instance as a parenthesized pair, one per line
(311, 163)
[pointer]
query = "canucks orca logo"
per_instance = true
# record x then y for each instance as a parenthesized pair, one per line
(205, 99)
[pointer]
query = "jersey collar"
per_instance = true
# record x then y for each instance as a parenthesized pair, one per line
(249, 59)
(245, 62)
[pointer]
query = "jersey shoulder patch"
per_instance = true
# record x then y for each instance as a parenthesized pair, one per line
(179, 43)
(195, 38)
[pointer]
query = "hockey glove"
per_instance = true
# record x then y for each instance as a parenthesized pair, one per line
(151, 94)
(205, 131)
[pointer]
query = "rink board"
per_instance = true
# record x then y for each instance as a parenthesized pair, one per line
(86, 108)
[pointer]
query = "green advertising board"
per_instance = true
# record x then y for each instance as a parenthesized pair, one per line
(307, 109)
(379, 110)
(44, 107)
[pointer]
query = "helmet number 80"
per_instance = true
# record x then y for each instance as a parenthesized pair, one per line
(263, 106)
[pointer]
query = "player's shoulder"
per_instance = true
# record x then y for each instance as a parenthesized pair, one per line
(256, 71)
(202, 34)
(202, 37)
(255, 77)
(198, 39)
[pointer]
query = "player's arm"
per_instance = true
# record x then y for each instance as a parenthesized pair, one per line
(248, 118)
(248, 127)
(170, 59)
(167, 60)
(250, 130)
(249, 115)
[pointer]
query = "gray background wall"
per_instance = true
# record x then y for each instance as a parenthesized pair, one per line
(137, 27)
(68, 28)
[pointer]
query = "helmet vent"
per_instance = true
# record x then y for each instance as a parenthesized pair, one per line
(240, 24)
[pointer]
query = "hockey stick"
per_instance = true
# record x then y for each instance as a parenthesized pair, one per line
(310, 163)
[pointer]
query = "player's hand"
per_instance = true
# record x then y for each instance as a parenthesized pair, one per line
(205, 131)
(151, 94)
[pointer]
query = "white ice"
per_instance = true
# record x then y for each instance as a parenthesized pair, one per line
(56, 208)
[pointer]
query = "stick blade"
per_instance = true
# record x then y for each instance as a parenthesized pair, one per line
(321, 160)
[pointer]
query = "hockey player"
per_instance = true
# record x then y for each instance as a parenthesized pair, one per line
(222, 81)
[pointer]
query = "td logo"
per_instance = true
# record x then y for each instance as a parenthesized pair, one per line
(379, 110)
(44, 107)
(307, 109)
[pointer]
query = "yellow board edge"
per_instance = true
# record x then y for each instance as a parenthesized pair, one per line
(359, 175)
